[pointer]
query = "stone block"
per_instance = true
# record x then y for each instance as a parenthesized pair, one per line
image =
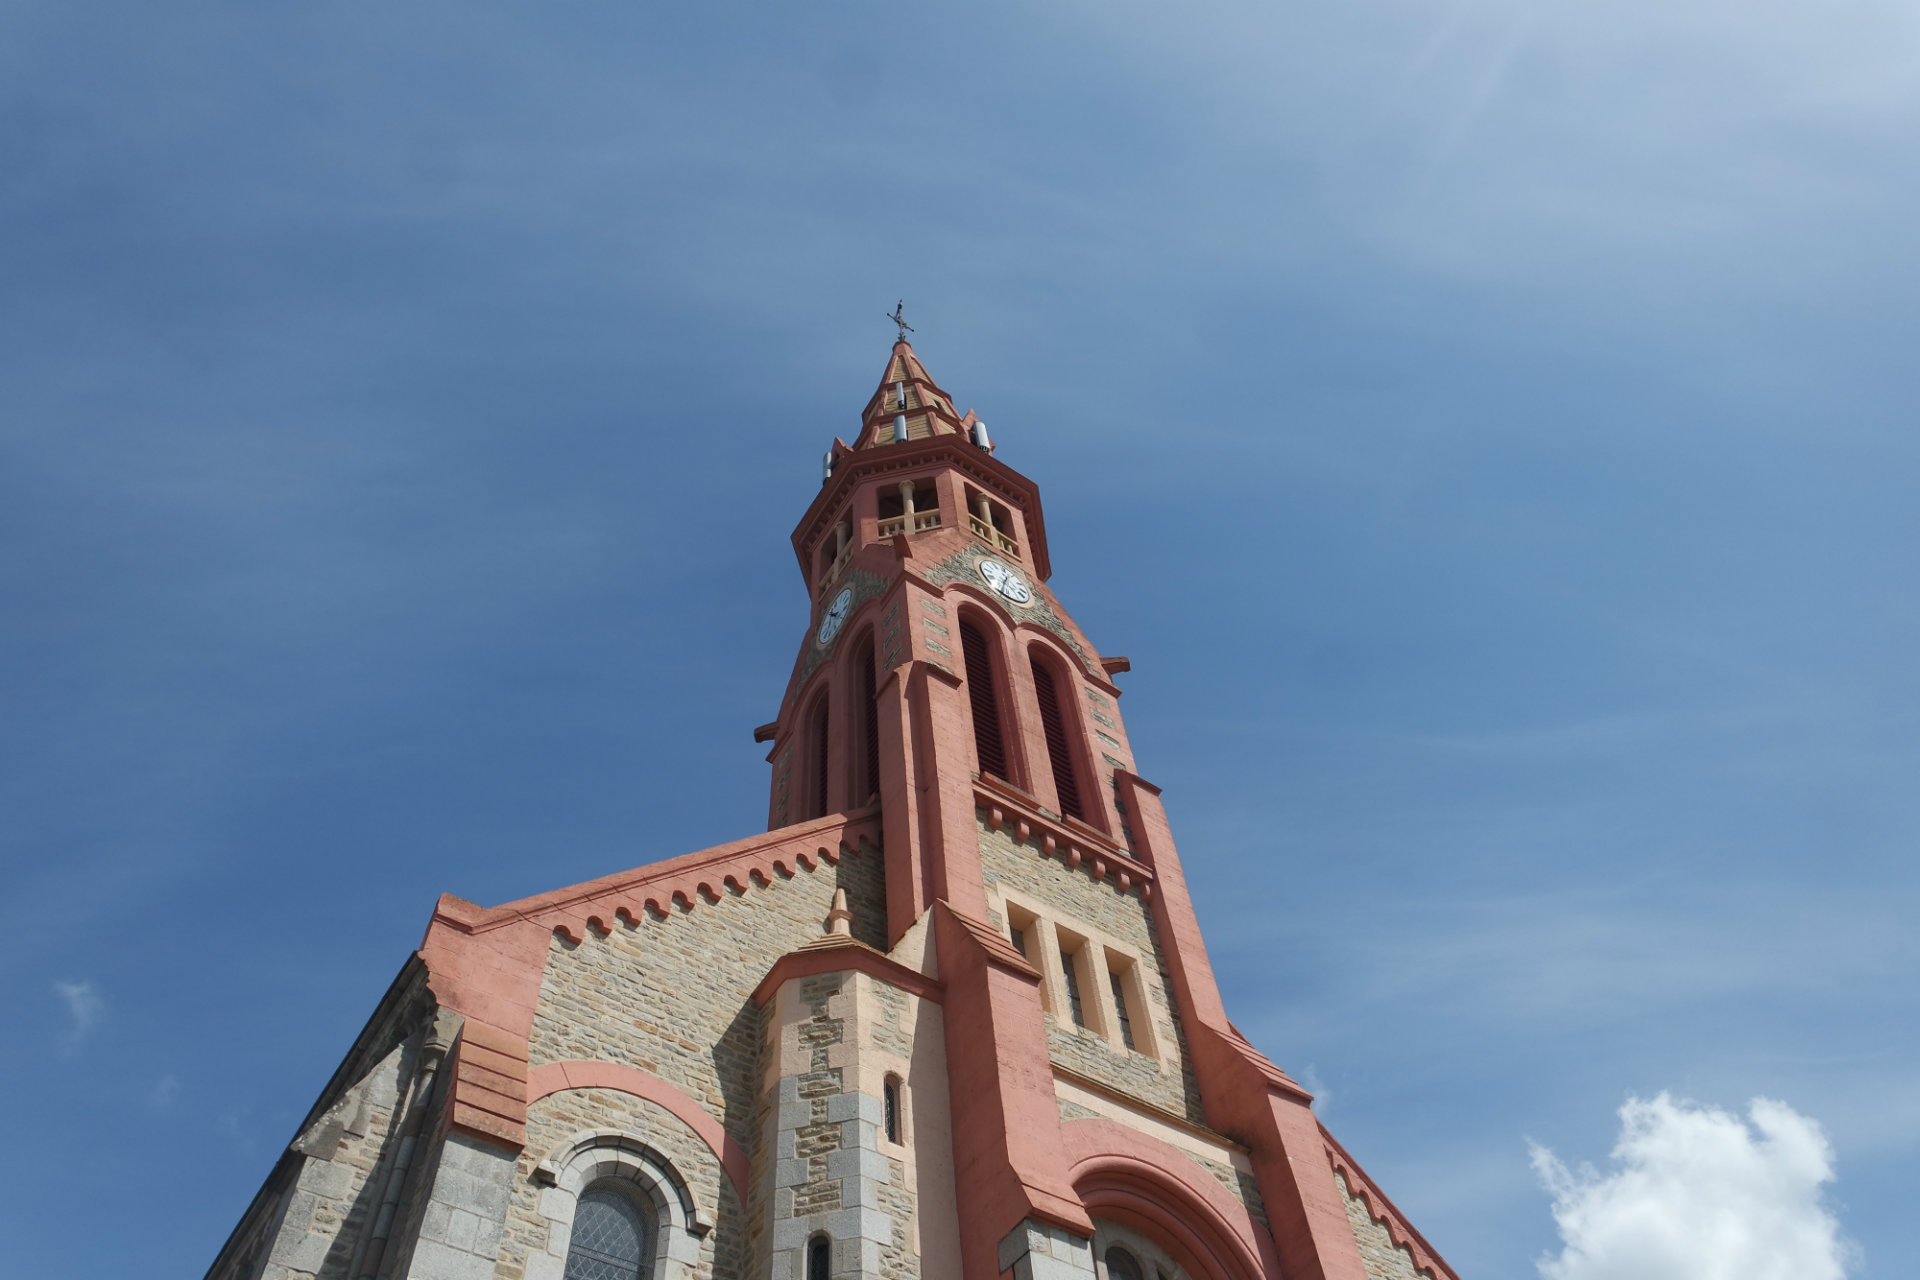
(792, 1233)
(433, 1260)
(867, 1223)
(1035, 1251)
(856, 1106)
(433, 1223)
(856, 1163)
(300, 1250)
(324, 1179)
(462, 1227)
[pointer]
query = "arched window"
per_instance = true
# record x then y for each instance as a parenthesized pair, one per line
(868, 685)
(988, 743)
(819, 1258)
(818, 724)
(1053, 725)
(890, 1099)
(1122, 1265)
(609, 1237)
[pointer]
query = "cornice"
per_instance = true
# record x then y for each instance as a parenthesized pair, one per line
(1383, 1211)
(1074, 843)
(677, 884)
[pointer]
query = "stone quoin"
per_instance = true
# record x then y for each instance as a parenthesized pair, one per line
(950, 1017)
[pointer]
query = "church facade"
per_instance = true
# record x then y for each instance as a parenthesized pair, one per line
(950, 1017)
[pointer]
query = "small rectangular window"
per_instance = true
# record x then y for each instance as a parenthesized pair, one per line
(891, 1094)
(1019, 937)
(1073, 988)
(1120, 1007)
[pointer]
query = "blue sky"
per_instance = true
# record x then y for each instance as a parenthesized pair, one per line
(1488, 427)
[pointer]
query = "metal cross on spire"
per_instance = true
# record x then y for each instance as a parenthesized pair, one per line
(899, 318)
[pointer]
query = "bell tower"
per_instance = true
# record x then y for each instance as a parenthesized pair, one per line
(935, 658)
(949, 1017)
(942, 687)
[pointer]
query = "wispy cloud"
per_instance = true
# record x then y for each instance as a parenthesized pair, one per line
(85, 1008)
(1699, 1194)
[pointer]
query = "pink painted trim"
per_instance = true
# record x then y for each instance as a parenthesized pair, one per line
(1383, 1211)
(850, 956)
(1007, 805)
(675, 885)
(555, 1076)
(1131, 1177)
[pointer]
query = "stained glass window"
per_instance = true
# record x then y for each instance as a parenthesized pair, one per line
(609, 1238)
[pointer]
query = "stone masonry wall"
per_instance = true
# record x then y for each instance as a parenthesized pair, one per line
(1383, 1259)
(822, 1119)
(342, 1158)
(1077, 896)
(555, 1120)
(673, 995)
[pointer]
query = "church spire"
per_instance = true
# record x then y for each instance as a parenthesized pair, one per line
(909, 405)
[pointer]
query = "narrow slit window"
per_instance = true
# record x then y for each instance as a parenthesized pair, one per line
(890, 1096)
(985, 702)
(819, 780)
(1120, 1007)
(1073, 988)
(1059, 750)
(1019, 937)
(819, 1258)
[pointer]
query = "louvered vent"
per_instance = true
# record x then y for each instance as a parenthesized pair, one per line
(819, 779)
(1059, 753)
(987, 742)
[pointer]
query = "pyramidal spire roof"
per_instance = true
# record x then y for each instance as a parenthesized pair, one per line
(909, 405)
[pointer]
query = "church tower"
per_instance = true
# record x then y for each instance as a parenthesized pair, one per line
(950, 1017)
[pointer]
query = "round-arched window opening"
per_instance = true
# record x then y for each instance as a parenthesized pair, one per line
(819, 1258)
(1122, 1265)
(893, 1122)
(609, 1237)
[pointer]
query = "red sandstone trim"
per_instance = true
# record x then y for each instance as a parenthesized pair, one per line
(1383, 1211)
(998, 949)
(1143, 1182)
(677, 883)
(1074, 843)
(553, 1077)
(489, 1085)
(1132, 1103)
(850, 956)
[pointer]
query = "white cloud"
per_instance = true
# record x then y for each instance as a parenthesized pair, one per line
(84, 1007)
(1699, 1194)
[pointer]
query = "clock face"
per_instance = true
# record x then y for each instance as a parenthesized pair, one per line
(1005, 581)
(835, 615)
